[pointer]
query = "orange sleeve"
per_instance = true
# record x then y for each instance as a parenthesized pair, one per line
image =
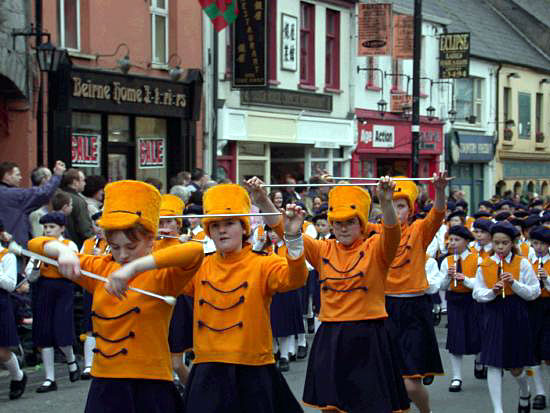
(430, 225)
(388, 243)
(285, 274)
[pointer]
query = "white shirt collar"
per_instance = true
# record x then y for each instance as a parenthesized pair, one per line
(488, 247)
(197, 230)
(462, 256)
(496, 258)
(544, 259)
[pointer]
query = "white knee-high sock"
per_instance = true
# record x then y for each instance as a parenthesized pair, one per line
(12, 365)
(302, 340)
(478, 357)
(456, 365)
(443, 300)
(285, 346)
(537, 380)
(494, 381)
(47, 359)
(275, 346)
(317, 323)
(69, 356)
(89, 345)
(523, 384)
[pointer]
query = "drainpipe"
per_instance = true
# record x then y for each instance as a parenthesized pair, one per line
(497, 111)
(40, 97)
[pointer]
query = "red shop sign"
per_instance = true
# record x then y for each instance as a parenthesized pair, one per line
(85, 150)
(151, 153)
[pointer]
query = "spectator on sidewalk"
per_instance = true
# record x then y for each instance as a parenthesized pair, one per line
(39, 176)
(79, 224)
(93, 193)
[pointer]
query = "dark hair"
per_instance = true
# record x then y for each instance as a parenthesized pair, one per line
(38, 174)
(197, 174)
(136, 233)
(70, 175)
(157, 183)
(94, 184)
(196, 198)
(6, 167)
(59, 199)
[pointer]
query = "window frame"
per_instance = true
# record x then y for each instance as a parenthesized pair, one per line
(476, 102)
(61, 5)
(521, 134)
(332, 84)
(397, 78)
(163, 12)
(309, 81)
(539, 115)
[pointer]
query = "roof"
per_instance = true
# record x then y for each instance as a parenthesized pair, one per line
(540, 9)
(492, 37)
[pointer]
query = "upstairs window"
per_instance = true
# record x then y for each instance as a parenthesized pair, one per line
(332, 57)
(159, 31)
(69, 24)
(307, 44)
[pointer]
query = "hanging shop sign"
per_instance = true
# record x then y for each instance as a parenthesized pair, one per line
(249, 41)
(374, 29)
(454, 55)
(399, 102)
(287, 99)
(383, 136)
(289, 43)
(152, 152)
(85, 150)
(403, 36)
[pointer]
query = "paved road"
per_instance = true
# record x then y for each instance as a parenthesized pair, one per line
(71, 397)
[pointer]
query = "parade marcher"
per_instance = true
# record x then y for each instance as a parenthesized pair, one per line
(96, 245)
(353, 364)
(131, 369)
(504, 282)
(8, 328)
(482, 233)
(463, 332)
(539, 312)
(180, 336)
(410, 320)
(53, 299)
(234, 369)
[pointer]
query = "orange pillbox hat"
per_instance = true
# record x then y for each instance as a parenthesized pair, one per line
(346, 202)
(406, 190)
(171, 205)
(128, 203)
(226, 199)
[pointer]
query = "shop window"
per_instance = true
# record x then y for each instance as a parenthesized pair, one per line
(524, 116)
(159, 31)
(86, 142)
(367, 168)
(251, 149)
(151, 145)
(332, 54)
(119, 128)
(307, 44)
(538, 115)
(69, 24)
(506, 103)
(469, 99)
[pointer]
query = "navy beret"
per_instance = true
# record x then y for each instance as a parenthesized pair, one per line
(458, 213)
(486, 215)
(504, 202)
(531, 220)
(462, 203)
(540, 233)
(503, 216)
(451, 205)
(516, 221)
(53, 218)
(483, 224)
(536, 202)
(462, 232)
(317, 217)
(521, 214)
(505, 227)
(521, 206)
(545, 217)
(486, 204)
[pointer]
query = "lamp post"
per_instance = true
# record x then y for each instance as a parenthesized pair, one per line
(417, 53)
(381, 104)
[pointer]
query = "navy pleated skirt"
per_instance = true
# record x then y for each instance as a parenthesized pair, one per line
(463, 333)
(87, 300)
(506, 338)
(53, 324)
(236, 388)
(8, 326)
(180, 335)
(539, 318)
(133, 396)
(354, 367)
(286, 314)
(315, 291)
(410, 325)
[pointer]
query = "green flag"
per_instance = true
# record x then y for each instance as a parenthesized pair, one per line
(221, 12)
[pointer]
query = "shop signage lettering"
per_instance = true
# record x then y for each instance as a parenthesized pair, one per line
(374, 29)
(428, 139)
(454, 55)
(287, 99)
(85, 150)
(152, 153)
(403, 30)
(383, 136)
(399, 101)
(119, 93)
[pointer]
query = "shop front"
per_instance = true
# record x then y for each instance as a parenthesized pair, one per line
(122, 126)
(384, 146)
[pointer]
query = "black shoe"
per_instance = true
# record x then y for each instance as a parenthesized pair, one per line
(539, 402)
(284, 365)
(292, 357)
(525, 409)
(427, 380)
(456, 386)
(45, 389)
(17, 387)
(302, 352)
(180, 388)
(74, 375)
(311, 325)
(85, 375)
(480, 371)
(437, 318)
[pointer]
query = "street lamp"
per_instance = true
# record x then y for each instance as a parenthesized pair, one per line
(431, 112)
(48, 57)
(381, 103)
(382, 106)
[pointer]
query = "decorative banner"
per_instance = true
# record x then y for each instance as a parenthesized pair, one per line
(249, 41)
(403, 36)
(383, 136)
(152, 153)
(400, 100)
(85, 150)
(374, 29)
(289, 43)
(454, 55)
